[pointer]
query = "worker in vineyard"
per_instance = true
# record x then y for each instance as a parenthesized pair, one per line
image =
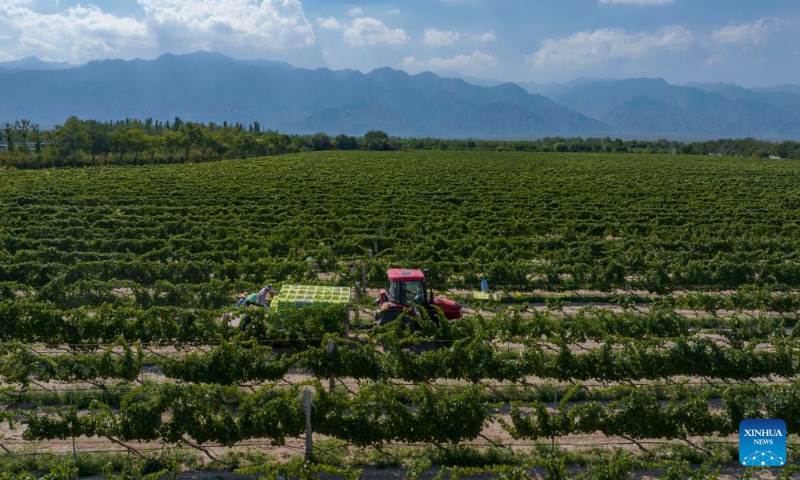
(484, 284)
(260, 299)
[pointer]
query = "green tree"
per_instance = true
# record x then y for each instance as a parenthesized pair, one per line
(299, 144)
(23, 128)
(137, 140)
(246, 144)
(153, 144)
(99, 141)
(37, 139)
(376, 140)
(192, 135)
(120, 143)
(72, 138)
(9, 131)
(320, 141)
(172, 143)
(345, 142)
(219, 142)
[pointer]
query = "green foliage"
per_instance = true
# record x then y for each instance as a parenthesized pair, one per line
(384, 413)
(682, 470)
(228, 363)
(301, 470)
(101, 267)
(134, 142)
(118, 246)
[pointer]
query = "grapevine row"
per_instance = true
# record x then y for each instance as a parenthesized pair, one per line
(382, 413)
(35, 322)
(38, 322)
(520, 219)
(467, 359)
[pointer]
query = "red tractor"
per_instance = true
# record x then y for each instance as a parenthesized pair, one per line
(407, 293)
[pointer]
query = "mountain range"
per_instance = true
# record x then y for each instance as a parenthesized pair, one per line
(212, 87)
(33, 63)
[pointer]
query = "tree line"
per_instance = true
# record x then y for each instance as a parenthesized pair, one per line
(734, 147)
(134, 142)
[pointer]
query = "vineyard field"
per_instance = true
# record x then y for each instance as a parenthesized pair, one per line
(641, 307)
(537, 220)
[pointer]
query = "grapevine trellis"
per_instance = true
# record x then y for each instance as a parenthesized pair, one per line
(638, 306)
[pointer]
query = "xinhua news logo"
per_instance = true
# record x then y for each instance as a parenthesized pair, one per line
(762, 443)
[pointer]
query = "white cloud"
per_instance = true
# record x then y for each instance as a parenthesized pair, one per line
(477, 59)
(212, 24)
(371, 31)
(637, 2)
(440, 38)
(355, 12)
(329, 23)
(75, 34)
(81, 33)
(393, 11)
(4, 57)
(715, 60)
(592, 48)
(747, 33)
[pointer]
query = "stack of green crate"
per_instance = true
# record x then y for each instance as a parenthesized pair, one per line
(296, 296)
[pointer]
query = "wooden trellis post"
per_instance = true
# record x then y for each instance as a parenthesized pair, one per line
(364, 276)
(332, 380)
(358, 309)
(555, 409)
(307, 408)
(72, 431)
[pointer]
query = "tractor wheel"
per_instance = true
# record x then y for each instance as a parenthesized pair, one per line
(387, 316)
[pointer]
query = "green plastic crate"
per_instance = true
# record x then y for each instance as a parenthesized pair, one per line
(296, 296)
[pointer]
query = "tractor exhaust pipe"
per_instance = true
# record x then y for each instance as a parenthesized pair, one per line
(430, 289)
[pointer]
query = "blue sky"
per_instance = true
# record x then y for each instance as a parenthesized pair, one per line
(753, 43)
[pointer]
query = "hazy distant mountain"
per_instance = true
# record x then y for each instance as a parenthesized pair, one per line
(554, 89)
(781, 99)
(213, 87)
(549, 89)
(33, 63)
(653, 105)
(430, 105)
(793, 89)
(481, 82)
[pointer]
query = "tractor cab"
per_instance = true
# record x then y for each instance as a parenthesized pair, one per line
(406, 287)
(407, 292)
